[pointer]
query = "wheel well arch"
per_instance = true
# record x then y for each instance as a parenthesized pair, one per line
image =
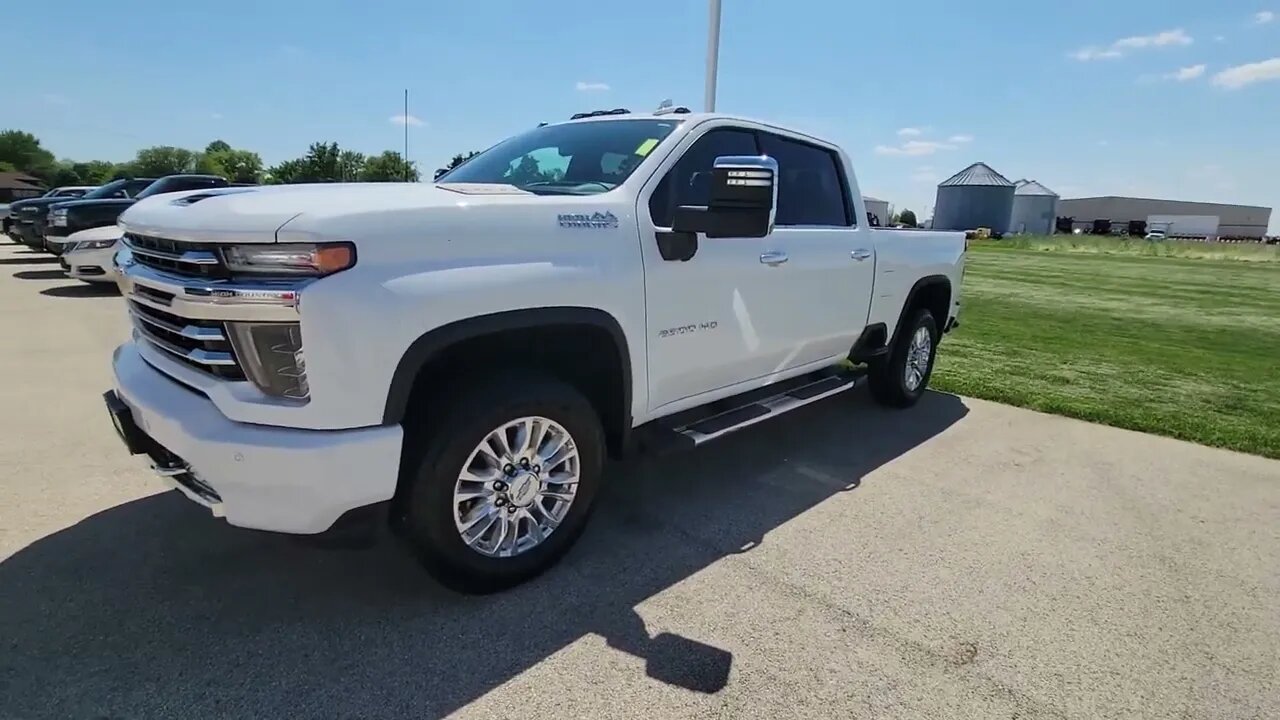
(585, 347)
(932, 292)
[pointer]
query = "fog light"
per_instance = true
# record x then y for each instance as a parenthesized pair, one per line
(271, 356)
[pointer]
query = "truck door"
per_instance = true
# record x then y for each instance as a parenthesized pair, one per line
(830, 257)
(719, 319)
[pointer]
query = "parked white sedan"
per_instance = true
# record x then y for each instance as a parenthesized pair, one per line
(90, 253)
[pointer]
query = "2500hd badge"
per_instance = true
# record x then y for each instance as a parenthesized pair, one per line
(688, 329)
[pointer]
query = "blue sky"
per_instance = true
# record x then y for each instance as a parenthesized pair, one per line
(1167, 98)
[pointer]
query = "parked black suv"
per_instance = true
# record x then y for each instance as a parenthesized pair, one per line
(28, 216)
(66, 218)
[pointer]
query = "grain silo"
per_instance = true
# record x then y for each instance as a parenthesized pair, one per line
(1035, 207)
(975, 197)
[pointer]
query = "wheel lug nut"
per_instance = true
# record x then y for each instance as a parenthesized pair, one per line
(499, 502)
(499, 486)
(524, 463)
(509, 469)
(537, 468)
(511, 508)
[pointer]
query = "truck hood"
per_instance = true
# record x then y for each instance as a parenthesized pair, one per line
(21, 207)
(254, 215)
(71, 205)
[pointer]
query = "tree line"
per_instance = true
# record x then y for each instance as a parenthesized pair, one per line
(323, 162)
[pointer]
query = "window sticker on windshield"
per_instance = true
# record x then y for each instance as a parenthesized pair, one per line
(646, 147)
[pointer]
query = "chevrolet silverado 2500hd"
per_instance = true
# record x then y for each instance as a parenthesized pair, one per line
(471, 350)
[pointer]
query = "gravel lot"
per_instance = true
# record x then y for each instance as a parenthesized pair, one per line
(963, 559)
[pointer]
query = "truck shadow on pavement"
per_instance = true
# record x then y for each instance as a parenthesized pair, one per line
(29, 259)
(40, 275)
(153, 609)
(82, 290)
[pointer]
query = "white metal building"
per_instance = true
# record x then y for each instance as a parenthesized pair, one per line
(1234, 221)
(879, 208)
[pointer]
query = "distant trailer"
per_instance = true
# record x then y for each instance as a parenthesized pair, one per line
(1186, 226)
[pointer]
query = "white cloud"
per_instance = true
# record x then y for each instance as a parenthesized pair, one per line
(591, 86)
(1219, 38)
(1161, 39)
(406, 120)
(1095, 53)
(1264, 17)
(1186, 73)
(960, 139)
(914, 148)
(216, 116)
(1234, 78)
(1118, 48)
(1103, 143)
(910, 132)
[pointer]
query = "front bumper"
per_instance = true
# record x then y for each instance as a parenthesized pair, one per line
(256, 476)
(92, 265)
(25, 233)
(55, 244)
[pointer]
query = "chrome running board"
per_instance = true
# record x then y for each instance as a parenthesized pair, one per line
(723, 423)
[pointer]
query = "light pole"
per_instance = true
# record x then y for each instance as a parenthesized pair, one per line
(713, 54)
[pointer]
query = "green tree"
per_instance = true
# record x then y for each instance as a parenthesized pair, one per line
(390, 166)
(22, 150)
(217, 146)
(241, 166)
(289, 171)
(908, 218)
(455, 161)
(95, 172)
(6, 166)
(165, 160)
(350, 166)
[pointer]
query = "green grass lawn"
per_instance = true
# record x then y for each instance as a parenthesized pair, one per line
(1172, 345)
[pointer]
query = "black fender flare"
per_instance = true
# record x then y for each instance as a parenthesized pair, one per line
(924, 282)
(434, 342)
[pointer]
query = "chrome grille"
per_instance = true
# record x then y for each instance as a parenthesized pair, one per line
(202, 344)
(177, 257)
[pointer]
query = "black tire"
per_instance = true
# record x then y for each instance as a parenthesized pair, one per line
(887, 374)
(423, 510)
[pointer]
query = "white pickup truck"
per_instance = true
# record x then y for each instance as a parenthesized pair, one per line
(462, 356)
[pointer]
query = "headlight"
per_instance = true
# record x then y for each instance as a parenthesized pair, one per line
(96, 244)
(57, 220)
(271, 356)
(299, 259)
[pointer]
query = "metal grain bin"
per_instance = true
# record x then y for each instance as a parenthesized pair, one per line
(975, 197)
(1035, 207)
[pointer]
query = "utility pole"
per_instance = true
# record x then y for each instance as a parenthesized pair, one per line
(406, 134)
(713, 54)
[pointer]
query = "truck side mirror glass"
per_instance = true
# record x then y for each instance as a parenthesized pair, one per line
(743, 199)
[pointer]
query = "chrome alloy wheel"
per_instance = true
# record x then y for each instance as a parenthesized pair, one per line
(516, 487)
(918, 354)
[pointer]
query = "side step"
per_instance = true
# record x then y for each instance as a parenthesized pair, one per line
(695, 427)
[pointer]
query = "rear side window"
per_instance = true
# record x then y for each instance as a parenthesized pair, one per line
(689, 182)
(811, 189)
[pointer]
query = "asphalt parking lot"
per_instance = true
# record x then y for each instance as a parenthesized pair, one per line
(959, 560)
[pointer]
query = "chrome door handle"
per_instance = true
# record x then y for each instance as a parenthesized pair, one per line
(773, 258)
(860, 254)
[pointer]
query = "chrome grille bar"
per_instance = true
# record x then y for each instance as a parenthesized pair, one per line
(199, 356)
(203, 334)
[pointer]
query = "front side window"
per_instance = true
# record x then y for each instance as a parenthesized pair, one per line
(584, 158)
(689, 182)
(810, 188)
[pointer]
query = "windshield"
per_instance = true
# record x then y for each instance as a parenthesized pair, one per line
(110, 190)
(572, 159)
